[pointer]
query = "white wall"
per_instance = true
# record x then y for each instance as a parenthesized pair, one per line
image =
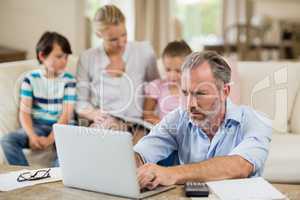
(278, 9)
(22, 22)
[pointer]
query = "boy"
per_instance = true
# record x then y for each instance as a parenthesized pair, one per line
(47, 97)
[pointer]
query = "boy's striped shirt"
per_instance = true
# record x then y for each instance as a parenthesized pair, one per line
(48, 95)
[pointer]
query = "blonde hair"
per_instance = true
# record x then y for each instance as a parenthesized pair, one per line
(108, 15)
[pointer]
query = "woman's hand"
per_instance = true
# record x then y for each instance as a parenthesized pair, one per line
(106, 121)
(100, 117)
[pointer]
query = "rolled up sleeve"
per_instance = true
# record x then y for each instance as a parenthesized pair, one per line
(255, 144)
(161, 141)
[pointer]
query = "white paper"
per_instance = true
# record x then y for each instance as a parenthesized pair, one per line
(8, 181)
(137, 121)
(245, 189)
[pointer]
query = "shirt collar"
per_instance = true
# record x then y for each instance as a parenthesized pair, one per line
(233, 112)
(43, 73)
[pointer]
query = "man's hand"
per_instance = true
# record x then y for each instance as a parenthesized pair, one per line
(151, 175)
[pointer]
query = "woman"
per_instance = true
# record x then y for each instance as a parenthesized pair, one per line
(111, 76)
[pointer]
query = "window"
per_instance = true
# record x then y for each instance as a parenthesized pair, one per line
(200, 21)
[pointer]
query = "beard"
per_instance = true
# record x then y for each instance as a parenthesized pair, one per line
(204, 122)
(205, 118)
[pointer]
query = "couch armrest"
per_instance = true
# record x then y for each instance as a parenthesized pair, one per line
(283, 163)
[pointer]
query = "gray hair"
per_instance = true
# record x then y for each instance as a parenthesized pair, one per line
(219, 66)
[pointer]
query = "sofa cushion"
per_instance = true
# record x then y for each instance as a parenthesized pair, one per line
(10, 76)
(270, 87)
(40, 159)
(295, 118)
(283, 162)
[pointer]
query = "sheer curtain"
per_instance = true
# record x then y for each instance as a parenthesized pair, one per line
(237, 29)
(153, 22)
(236, 12)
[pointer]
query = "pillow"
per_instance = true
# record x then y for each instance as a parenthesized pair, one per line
(235, 92)
(270, 87)
(295, 117)
(10, 76)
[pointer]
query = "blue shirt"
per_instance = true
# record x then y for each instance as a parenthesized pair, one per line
(243, 132)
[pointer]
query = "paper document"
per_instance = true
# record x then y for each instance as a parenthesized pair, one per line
(8, 181)
(133, 120)
(245, 189)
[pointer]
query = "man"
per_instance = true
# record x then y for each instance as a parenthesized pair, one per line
(215, 139)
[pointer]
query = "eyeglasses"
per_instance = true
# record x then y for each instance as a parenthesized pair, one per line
(32, 176)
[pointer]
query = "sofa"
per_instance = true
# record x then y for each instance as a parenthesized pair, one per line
(270, 87)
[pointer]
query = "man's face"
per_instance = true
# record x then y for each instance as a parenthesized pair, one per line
(201, 96)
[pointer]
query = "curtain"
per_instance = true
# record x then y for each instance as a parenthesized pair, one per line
(236, 12)
(153, 23)
(237, 28)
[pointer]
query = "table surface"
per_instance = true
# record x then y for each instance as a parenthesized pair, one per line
(57, 191)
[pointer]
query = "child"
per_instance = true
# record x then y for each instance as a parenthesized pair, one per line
(165, 94)
(47, 97)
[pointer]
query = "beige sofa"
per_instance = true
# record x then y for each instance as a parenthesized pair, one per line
(11, 75)
(270, 87)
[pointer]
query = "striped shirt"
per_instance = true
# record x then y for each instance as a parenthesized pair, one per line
(48, 95)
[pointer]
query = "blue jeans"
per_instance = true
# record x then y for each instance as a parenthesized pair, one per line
(14, 143)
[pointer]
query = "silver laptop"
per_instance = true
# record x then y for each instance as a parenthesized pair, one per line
(99, 160)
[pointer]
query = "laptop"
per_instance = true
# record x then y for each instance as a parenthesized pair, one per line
(99, 160)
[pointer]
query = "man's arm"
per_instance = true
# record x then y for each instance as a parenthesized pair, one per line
(218, 168)
(161, 141)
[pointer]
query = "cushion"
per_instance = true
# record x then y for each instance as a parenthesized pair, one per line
(10, 75)
(295, 118)
(283, 163)
(235, 90)
(40, 159)
(270, 87)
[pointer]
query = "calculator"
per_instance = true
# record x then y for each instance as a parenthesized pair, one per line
(196, 189)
